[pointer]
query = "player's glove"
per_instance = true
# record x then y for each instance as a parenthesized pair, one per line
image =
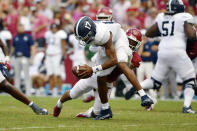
(136, 59)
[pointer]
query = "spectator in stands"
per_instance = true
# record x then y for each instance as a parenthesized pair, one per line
(11, 20)
(141, 16)
(25, 20)
(23, 44)
(119, 11)
(45, 10)
(131, 18)
(150, 19)
(39, 28)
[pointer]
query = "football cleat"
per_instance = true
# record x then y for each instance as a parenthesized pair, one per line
(104, 114)
(38, 110)
(88, 99)
(56, 111)
(188, 110)
(146, 101)
(86, 114)
(130, 93)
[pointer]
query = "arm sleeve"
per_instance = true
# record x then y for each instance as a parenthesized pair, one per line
(188, 18)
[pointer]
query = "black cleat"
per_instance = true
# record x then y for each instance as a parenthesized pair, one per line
(188, 110)
(104, 114)
(130, 93)
(146, 101)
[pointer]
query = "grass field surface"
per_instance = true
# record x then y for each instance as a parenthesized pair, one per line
(128, 116)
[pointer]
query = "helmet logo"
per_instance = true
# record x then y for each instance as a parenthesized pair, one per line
(87, 25)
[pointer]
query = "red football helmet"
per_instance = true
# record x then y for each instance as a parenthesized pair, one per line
(135, 35)
(104, 13)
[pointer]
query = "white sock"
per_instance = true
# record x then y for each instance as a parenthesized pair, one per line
(188, 96)
(59, 104)
(147, 84)
(141, 92)
(31, 103)
(105, 106)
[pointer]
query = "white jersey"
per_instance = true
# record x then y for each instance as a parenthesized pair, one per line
(172, 32)
(4, 36)
(53, 41)
(119, 40)
(103, 30)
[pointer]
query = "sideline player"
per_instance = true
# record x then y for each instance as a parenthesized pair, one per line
(113, 39)
(85, 85)
(55, 51)
(10, 89)
(174, 28)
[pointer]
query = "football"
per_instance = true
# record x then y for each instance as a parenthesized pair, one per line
(75, 70)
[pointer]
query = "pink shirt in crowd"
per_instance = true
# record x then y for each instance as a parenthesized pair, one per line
(11, 23)
(40, 20)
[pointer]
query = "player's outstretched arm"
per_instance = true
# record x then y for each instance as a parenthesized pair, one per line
(153, 31)
(130, 75)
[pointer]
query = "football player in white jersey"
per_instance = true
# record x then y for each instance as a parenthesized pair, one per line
(85, 85)
(55, 51)
(111, 37)
(10, 89)
(174, 28)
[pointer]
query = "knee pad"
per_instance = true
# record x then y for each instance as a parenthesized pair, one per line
(156, 84)
(190, 83)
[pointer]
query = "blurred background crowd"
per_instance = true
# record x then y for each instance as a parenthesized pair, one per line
(25, 23)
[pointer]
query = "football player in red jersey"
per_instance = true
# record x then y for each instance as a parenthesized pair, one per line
(85, 85)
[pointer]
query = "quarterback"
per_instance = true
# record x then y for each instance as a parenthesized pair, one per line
(111, 37)
(85, 85)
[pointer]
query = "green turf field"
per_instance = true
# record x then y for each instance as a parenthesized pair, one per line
(128, 116)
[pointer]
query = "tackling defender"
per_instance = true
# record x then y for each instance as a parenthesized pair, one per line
(10, 89)
(174, 28)
(85, 85)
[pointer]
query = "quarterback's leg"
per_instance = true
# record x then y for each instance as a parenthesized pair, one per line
(96, 109)
(81, 87)
(10, 89)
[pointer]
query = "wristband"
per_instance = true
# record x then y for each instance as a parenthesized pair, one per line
(7, 58)
(97, 68)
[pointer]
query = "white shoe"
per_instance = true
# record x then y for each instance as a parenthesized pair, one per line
(86, 114)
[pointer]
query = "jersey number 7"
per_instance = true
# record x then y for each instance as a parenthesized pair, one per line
(165, 28)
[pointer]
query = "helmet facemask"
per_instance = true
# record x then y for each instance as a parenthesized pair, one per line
(134, 45)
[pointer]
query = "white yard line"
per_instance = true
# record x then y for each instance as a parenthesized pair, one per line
(91, 126)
